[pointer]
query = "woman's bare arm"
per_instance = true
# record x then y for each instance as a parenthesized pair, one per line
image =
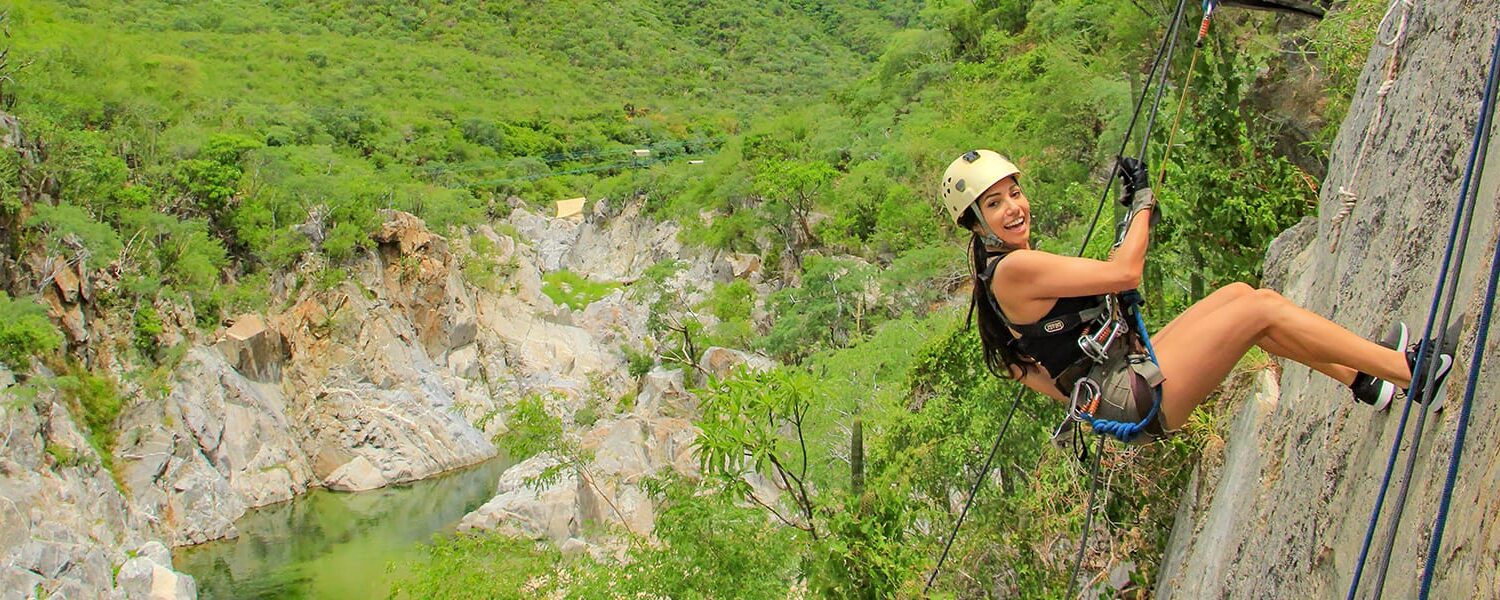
(1042, 275)
(1039, 382)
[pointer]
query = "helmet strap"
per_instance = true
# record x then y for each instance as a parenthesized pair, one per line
(991, 241)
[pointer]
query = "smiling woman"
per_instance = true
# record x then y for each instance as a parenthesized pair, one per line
(1053, 322)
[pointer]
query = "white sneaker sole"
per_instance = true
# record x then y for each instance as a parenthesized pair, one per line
(1388, 389)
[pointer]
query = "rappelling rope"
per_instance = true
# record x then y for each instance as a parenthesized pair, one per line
(1168, 42)
(1088, 522)
(1442, 301)
(1346, 194)
(1482, 132)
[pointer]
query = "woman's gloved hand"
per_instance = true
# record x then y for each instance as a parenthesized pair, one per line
(1136, 179)
(1134, 176)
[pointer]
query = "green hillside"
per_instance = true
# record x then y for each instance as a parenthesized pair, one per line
(225, 123)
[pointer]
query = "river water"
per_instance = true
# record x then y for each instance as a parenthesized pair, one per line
(334, 544)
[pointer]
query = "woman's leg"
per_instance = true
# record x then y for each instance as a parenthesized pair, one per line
(1196, 364)
(1223, 297)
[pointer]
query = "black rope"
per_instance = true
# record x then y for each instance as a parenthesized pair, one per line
(1168, 43)
(974, 490)
(1109, 184)
(1088, 520)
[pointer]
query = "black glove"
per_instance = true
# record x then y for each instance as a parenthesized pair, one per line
(1134, 176)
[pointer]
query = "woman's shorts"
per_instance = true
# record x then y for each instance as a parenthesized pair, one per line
(1126, 397)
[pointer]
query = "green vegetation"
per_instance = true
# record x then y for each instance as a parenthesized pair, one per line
(232, 139)
(575, 291)
(25, 332)
(482, 566)
(96, 399)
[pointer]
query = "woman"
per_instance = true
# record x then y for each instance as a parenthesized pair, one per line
(1018, 288)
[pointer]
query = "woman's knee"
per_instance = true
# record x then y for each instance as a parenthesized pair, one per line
(1269, 296)
(1235, 291)
(1238, 288)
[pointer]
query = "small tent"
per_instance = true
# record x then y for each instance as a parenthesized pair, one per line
(571, 207)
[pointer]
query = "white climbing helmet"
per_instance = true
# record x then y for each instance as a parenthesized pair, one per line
(970, 175)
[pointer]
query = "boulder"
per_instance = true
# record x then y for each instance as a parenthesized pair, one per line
(142, 578)
(355, 476)
(721, 362)
(663, 392)
(254, 349)
(744, 266)
(520, 509)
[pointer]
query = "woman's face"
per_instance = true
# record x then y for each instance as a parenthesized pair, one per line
(1008, 212)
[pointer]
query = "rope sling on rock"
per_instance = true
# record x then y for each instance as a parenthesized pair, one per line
(1346, 193)
(1164, 49)
(1440, 312)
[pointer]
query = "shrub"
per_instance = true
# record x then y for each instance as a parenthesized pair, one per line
(25, 331)
(97, 400)
(476, 565)
(573, 290)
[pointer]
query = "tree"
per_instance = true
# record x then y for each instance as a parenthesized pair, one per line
(791, 190)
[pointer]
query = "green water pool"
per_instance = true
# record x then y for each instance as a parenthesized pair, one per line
(335, 544)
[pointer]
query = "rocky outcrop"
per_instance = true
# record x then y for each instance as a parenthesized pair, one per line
(149, 576)
(64, 524)
(722, 362)
(606, 492)
(1285, 514)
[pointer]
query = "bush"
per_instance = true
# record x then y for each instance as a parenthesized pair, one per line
(639, 363)
(573, 290)
(25, 331)
(96, 399)
(476, 565)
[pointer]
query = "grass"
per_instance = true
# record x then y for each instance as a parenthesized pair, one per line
(573, 290)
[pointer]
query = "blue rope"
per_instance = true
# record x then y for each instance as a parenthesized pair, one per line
(1486, 113)
(1126, 431)
(1463, 427)
(1424, 362)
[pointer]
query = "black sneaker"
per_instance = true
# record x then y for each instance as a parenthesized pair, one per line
(1444, 358)
(1378, 392)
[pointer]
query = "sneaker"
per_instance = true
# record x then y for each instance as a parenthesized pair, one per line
(1379, 392)
(1444, 358)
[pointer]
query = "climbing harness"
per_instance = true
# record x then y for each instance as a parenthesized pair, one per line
(1346, 192)
(1440, 312)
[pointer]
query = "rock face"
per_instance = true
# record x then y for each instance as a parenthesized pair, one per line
(607, 492)
(391, 375)
(1286, 513)
(65, 526)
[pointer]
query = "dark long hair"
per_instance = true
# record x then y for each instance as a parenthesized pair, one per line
(1000, 351)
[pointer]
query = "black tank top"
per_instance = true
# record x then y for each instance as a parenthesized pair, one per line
(1054, 352)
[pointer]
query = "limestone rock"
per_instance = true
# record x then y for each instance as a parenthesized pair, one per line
(721, 362)
(520, 510)
(65, 526)
(1286, 513)
(614, 319)
(255, 350)
(356, 475)
(664, 393)
(744, 266)
(143, 578)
